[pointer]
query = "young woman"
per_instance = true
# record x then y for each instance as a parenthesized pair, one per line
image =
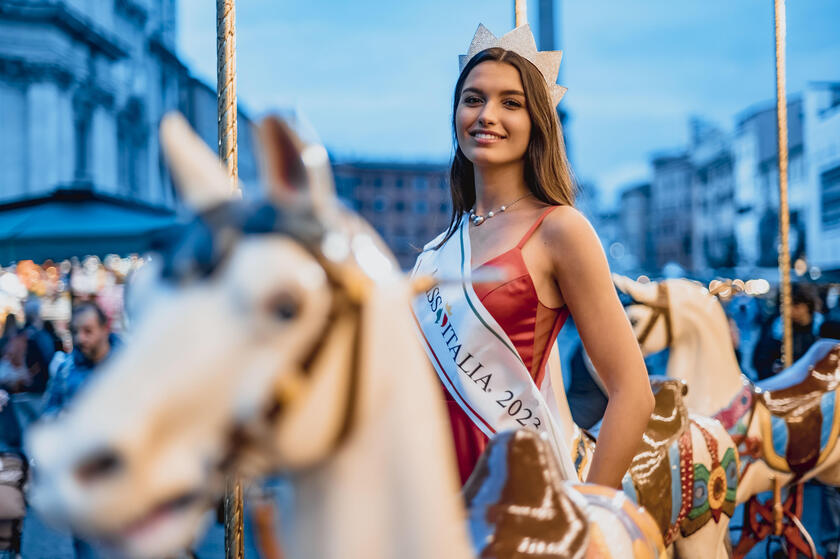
(512, 197)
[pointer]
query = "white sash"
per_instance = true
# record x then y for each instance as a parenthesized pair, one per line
(473, 356)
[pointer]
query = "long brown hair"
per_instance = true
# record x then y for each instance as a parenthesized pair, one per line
(547, 172)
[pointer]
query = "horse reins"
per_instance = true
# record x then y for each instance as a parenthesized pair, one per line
(342, 304)
(292, 383)
(661, 308)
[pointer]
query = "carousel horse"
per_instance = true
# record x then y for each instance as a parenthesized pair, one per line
(786, 427)
(685, 472)
(276, 336)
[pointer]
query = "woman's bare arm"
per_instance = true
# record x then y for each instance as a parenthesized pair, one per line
(583, 277)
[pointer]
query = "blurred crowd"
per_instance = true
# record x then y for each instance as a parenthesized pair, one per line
(40, 373)
(815, 313)
(57, 321)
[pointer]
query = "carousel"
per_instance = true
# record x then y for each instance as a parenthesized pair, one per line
(290, 372)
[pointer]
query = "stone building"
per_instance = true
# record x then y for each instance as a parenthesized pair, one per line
(83, 86)
(713, 243)
(672, 210)
(634, 228)
(408, 203)
(821, 108)
(756, 194)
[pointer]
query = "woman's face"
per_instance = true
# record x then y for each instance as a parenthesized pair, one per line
(492, 123)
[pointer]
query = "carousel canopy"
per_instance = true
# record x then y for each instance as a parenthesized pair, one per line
(78, 222)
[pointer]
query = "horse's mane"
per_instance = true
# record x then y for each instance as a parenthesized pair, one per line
(195, 250)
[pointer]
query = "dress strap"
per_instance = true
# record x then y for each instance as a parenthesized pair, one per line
(534, 227)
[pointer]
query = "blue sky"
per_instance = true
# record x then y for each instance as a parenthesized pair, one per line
(375, 78)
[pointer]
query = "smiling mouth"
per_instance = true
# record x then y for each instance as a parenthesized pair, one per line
(486, 138)
(483, 136)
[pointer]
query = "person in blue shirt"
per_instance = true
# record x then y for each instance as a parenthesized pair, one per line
(93, 343)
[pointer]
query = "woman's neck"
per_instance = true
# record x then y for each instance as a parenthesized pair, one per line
(499, 185)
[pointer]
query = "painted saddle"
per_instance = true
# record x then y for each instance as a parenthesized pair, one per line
(519, 506)
(797, 413)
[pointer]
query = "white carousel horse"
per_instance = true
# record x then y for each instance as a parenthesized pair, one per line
(786, 427)
(278, 337)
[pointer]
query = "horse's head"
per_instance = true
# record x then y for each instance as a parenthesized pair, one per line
(666, 313)
(242, 360)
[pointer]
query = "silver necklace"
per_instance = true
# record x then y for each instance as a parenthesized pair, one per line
(479, 219)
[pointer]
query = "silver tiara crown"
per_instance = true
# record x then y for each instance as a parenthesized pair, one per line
(521, 41)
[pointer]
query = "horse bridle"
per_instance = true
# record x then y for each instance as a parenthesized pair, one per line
(346, 300)
(660, 308)
(342, 304)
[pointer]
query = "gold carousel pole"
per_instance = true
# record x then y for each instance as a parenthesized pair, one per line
(784, 212)
(226, 91)
(520, 9)
(226, 86)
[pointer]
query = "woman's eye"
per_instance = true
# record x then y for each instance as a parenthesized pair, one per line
(471, 100)
(512, 103)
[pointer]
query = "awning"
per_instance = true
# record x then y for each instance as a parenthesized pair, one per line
(78, 222)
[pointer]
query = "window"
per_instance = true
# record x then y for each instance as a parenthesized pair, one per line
(421, 207)
(12, 150)
(82, 133)
(830, 198)
(380, 204)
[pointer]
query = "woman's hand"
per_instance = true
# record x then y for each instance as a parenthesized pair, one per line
(583, 278)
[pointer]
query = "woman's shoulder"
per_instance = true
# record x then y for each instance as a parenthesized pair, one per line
(566, 227)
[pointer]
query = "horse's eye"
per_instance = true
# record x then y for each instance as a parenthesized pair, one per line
(284, 306)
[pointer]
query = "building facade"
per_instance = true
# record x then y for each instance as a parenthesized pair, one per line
(83, 86)
(756, 195)
(634, 228)
(409, 204)
(672, 210)
(713, 242)
(821, 108)
(714, 208)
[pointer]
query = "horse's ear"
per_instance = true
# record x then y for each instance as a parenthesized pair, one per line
(640, 292)
(283, 171)
(196, 171)
(291, 166)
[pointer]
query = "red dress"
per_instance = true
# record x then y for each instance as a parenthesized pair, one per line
(530, 325)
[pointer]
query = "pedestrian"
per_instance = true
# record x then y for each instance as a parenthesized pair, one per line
(767, 354)
(12, 479)
(93, 343)
(831, 327)
(26, 353)
(586, 392)
(58, 345)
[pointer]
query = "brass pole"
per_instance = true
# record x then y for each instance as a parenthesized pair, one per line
(226, 92)
(778, 509)
(520, 12)
(784, 212)
(226, 86)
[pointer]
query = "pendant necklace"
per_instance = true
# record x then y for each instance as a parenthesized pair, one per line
(479, 219)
